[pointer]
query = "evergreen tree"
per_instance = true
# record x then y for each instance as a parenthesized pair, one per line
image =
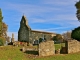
(76, 34)
(78, 10)
(1, 22)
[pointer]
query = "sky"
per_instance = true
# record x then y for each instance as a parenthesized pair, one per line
(57, 16)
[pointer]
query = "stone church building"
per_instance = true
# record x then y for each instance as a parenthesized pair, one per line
(26, 34)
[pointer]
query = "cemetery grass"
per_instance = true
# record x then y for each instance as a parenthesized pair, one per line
(58, 46)
(14, 53)
(11, 53)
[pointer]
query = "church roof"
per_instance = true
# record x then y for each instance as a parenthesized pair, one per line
(43, 32)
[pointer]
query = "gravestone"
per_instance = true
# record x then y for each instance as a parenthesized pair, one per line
(46, 48)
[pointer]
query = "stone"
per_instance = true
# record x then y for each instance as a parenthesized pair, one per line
(46, 48)
(26, 34)
(58, 51)
(72, 46)
(23, 49)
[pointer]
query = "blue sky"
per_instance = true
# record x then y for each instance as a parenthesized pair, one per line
(56, 16)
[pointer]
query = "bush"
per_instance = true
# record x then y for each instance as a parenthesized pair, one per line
(76, 33)
(40, 40)
(2, 41)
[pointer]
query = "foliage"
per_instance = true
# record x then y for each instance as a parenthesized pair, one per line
(76, 33)
(77, 5)
(1, 22)
(58, 37)
(1, 15)
(40, 40)
(66, 35)
(2, 41)
(78, 10)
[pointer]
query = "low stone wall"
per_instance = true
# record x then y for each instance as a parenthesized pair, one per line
(72, 46)
(46, 48)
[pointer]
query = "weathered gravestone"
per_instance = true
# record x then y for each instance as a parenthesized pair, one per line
(46, 48)
(72, 46)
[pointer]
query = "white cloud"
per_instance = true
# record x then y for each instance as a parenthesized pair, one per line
(37, 20)
(57, 29)
(59, 12)
(30, 9)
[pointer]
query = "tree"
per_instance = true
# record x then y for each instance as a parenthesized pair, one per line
(78, 9)
(1, 15)
(76, 33)
(2, 41)
(66, 35)
(58, 38)
(40, 40)
(1, 22)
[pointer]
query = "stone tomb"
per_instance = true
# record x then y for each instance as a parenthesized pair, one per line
(72, 46)
(46, 48)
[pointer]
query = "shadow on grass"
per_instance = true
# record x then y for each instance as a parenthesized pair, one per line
(32, 52)
(20, 49)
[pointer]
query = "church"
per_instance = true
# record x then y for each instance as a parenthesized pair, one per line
(26, 34)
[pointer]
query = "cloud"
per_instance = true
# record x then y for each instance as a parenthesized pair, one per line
(58, 2)
(30, 9)
(59, 12)
(57, 29)
(37, 20)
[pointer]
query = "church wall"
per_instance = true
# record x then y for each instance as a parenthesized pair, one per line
(23, 34)
(37, 35)
(26, 34)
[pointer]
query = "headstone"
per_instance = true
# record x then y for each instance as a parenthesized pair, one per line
(46, 48)
(12, 39)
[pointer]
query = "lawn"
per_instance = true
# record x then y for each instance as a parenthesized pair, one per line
(58, 46)
(14, 53)
(11, 53)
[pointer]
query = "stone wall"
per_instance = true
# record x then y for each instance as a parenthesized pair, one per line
(46, 48)
(72, 46)
(36, 35)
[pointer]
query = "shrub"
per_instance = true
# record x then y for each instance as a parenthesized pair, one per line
(2, 41)
(40, 40)
(76, 33)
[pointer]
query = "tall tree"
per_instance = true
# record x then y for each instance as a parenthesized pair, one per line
(67, 35)
(76, 32)
(78, 10)
(1, 18)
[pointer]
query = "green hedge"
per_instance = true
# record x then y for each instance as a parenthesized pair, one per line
(2, 41)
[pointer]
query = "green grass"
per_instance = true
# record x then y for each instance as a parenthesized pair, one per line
(14, 53)
(11, 53)
(75, 56)
(58, 46)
